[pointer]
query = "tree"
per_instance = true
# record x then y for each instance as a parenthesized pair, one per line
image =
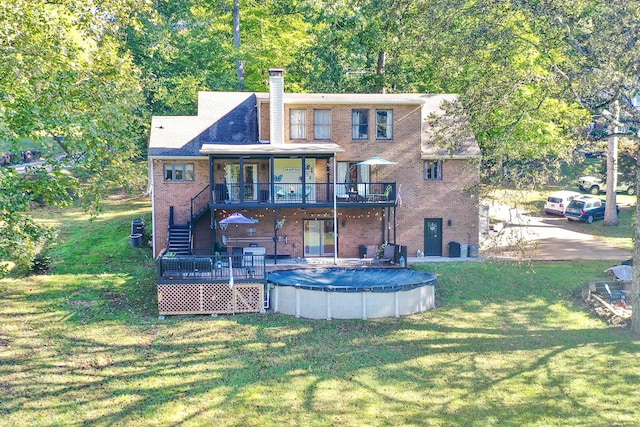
(68, 87)
(479, 50)
(184, 46)
(594, 48)
(598, 43)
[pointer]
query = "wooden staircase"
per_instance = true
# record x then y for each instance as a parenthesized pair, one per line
(179, 237)
(179, 240)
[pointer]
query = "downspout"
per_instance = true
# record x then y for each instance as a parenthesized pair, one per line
(275, 211)
(395, 224)
(335, 215)
(275, 236)
(303, 189)
(153, 206)
(385, 224)
(241, 181)
(212, 214)
(389, 225)
(272, 186)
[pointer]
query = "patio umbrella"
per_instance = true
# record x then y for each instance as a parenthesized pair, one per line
(236, 218)
(375, 162)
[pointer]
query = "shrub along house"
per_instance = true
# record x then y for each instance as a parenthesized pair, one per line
(295, 165)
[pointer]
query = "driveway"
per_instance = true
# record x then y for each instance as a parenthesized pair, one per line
(546, 238)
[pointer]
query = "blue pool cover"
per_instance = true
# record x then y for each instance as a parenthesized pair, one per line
(336, 279)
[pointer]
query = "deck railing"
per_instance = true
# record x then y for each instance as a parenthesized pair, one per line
(216, 268)
(310, 193)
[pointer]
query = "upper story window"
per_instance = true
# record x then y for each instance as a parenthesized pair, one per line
(298, 124)
(322, 124)
(360, 124)
(384, 124)
(432, 169)
(178, 172)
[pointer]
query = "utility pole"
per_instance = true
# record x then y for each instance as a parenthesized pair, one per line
(236, 43)
(610, 213)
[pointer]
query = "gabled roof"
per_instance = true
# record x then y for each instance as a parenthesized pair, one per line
(223, 118)
(446, 130)
(227, 123)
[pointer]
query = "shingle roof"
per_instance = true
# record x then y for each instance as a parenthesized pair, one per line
(228, 119)
(225, 118)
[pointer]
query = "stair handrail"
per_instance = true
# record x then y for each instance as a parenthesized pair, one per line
(199, 202)
(166, 245)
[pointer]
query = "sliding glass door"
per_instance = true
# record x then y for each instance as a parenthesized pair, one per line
(318, 237)
(250, 178)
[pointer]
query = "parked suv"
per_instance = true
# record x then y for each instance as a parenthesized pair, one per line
(586, 209)
(557, 202)
(595, 185)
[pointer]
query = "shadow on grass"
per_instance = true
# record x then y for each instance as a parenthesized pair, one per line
(508, 347)
(250, 366)
(501, 349)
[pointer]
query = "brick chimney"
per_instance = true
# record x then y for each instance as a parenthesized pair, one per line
(276, 106)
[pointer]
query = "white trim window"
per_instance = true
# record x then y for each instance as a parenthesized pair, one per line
(432, 170)
(384, 124)
(360, 124)
(298, 124)
(322, 124)
(178, 172)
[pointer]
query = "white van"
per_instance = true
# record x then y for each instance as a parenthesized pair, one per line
(557, 202)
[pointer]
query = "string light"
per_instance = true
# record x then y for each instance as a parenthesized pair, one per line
(295, 214)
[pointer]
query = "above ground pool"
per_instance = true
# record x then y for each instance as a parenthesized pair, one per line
(351, 293)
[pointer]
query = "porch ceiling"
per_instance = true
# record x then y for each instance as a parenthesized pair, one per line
(288, 149)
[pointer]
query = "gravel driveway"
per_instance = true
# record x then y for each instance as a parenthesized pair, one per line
(531, 237)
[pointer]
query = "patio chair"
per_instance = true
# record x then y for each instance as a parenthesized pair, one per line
(279, 192)
(370, 254)
(307, 191)
(383, 197)
(387, 256)
(371, 251)
(236, 257)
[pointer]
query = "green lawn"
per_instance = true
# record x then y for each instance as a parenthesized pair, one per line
(509, 346)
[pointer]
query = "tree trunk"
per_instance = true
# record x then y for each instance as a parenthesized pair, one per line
(635, 284)
(380, 69)
(236, 43)
(611, 213)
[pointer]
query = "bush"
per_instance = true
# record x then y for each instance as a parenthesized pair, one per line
(40, 264)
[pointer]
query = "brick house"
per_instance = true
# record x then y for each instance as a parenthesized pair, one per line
(292, 164)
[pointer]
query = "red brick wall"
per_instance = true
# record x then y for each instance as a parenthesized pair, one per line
(420, 198)
(355, 227)
(176, 194)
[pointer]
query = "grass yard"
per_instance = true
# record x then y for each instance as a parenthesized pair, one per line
(83, 346)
